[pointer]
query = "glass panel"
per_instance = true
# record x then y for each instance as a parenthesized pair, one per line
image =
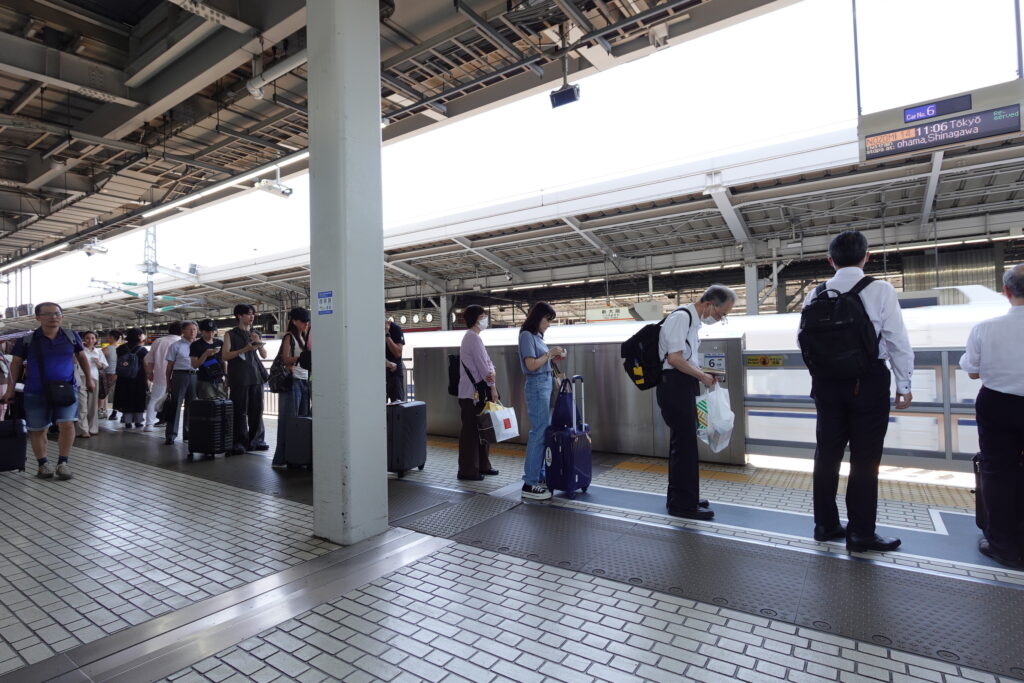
(914, 432)
(965, 435)
(779, 383)
(964, 389)
(924, 384)
(781, 425)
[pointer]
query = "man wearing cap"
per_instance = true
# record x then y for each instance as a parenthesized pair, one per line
(205, 355)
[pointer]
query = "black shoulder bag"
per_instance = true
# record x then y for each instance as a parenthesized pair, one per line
(58, 393)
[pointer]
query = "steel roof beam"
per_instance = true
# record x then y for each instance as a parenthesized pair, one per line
(264, 280)
(225, 51)
(175, 44)
(517, 274)
(721, 196)
(415, 273)
(572, 11)
(929, 193)
(577, 227)
(494, 36)
(33, 61)
(269, 144)
(409, 92)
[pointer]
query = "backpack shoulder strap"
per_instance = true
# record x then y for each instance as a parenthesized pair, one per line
(681, 308)
(861, 284)
(71, 337)
(819, 289)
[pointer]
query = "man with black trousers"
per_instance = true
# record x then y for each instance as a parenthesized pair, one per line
(993, 356)
(242, 351)
(855, 412)
(677, 393)
(394, 343)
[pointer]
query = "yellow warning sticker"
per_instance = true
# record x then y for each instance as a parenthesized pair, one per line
(765, 361)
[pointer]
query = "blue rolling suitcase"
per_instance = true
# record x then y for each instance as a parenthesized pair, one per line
(567, 458)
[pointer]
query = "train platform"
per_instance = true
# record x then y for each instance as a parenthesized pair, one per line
(146, 566)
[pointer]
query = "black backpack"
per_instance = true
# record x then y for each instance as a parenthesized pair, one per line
(641, 358)
(128, 364)
(836, 336)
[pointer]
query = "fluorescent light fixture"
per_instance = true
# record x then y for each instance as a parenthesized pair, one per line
(983, 239)
(696, 269)
(34, 256)
(1003, 238)
(567, 283)
(392, 301)
(596, 279)
(237, 180)
(515, 289)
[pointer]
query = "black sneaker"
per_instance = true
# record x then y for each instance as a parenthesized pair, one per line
(536, 492)
(112, 416)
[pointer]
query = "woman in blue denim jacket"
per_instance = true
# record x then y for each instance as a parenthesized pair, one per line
(535, 361)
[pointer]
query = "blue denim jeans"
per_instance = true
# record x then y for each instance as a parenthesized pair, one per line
(538, 408)
(294, 403)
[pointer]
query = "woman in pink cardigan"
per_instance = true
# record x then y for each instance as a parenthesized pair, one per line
(476, 368)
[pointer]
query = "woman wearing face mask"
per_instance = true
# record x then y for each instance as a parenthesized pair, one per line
(477, 369)
(535, 361)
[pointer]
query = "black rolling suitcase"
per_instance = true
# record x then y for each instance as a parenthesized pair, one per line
(407, 436)
(13, 444)
(298, 445)
(210, 426)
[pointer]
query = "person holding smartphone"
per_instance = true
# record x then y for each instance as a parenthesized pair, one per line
(535, 361)
(243, 351)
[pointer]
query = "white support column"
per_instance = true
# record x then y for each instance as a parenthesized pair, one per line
(750, 280)
(446, 311)
(347, 278)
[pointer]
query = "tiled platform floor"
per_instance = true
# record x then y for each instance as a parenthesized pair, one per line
(122, 543)
(463, 614)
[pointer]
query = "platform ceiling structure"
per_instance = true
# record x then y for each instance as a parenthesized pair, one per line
(116, 115)
(110, 109)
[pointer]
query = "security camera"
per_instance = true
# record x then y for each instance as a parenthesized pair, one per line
(274, 187)
(93, 247)
(508, 276)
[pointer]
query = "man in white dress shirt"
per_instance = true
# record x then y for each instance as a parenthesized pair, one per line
(155, 362)
(994, 356)
(855, 412)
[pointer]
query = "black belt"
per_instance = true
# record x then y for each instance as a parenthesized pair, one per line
(191, 372)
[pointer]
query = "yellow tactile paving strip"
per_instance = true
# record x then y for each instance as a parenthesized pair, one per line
(909, 492)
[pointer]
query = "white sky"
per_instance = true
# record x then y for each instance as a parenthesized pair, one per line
(784, 75)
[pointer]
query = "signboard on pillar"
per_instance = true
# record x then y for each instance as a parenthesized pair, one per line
(609, 314)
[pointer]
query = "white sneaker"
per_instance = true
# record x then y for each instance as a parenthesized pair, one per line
(45, 471)
(149, 428)
(63, 471)
(536, 492)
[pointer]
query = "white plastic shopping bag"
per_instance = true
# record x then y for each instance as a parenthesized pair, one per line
(497, 423)
(715, 418)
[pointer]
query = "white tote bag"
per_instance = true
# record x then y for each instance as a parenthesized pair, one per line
(715, 418)
(497, 423)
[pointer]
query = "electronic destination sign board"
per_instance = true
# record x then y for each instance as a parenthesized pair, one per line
(963, 128)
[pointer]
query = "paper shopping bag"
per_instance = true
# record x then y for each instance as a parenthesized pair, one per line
(497, 423)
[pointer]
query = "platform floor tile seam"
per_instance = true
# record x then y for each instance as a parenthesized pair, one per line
(464, 614)
(122, 543)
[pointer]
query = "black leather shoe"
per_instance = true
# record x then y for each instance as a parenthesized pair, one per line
(236, 450)
(698, 513)
(491, 472)
(168, 442)
(466, 477)
(259, 447)
(882, 544)
(985, 548)
(821, 534)
(703, 503)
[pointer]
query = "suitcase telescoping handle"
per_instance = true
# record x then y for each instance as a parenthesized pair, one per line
(583, 416)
